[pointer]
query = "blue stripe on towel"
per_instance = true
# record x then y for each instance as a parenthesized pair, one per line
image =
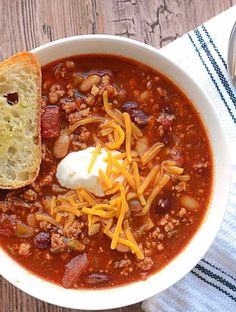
(216, 277)
(213, 80)
(213, 285)
(215, 66)
(214, 45)
(218, 269)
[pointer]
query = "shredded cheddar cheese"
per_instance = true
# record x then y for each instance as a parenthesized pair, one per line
(125, 173)
(165, 179)
(174, 169)
(128, 176)
(70, 209)
(88, 197)
(52, 205)
(79, 196)
(131, 238)
(137, 182)
(117, 116)
(118, 140)
(100, 213)
(103, 206)
(104, 180)
(113, 190)
(122, 241)
(116, 135)
(136, 132)
(151, 153)
(128, 136)
(136, 175)
(105, 132)
(71, 219)
(107, 123)
(83, 122)
(47, 218)
(108, 110)
(109, 163)
(94, 157)
(120, 218)
(58, 217)
(148, 180)
(111, 139)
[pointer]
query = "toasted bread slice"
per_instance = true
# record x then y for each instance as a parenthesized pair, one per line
(20, 107)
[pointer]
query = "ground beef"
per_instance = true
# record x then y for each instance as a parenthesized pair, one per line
(24, 249)
(182, 212)
(77, 116)
(46, 153)
(44, 225)
(68, 105)
(90, 100)
(55, 93)
(123, 263)
(76, 146)
(74, 230)
(30, 195)
(94, 90)
(47, 179)
(5, 206)
(146, 264)
(44, 101)
(36, 187)
(85, 135)
(57, 243)
(160, 247)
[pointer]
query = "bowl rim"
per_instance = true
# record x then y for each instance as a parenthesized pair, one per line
(138, 291)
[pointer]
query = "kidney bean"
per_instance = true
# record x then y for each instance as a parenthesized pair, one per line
(167, 138)
(139, 117)
(164, 205)
(97, 278)
(127, 106)
(136, 114)
(42, 240)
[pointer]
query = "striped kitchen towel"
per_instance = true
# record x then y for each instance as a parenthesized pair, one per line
(211, 285)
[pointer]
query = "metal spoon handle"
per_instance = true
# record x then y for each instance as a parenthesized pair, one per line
(232, 55)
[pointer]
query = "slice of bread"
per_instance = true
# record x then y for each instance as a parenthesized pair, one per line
(20, 113)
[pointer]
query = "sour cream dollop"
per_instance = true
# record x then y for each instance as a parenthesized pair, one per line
(72, 171)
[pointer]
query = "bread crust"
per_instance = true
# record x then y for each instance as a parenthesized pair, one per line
(30, 61)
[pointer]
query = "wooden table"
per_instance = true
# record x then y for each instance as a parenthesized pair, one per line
(27, 24)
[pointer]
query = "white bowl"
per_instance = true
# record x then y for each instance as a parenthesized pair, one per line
(195, 250)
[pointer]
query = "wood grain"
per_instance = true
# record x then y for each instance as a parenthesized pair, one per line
(26, 24)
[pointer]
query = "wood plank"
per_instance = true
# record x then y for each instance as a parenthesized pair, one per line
(27, 24)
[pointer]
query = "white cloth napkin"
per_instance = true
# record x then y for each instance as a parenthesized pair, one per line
(211, 285)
